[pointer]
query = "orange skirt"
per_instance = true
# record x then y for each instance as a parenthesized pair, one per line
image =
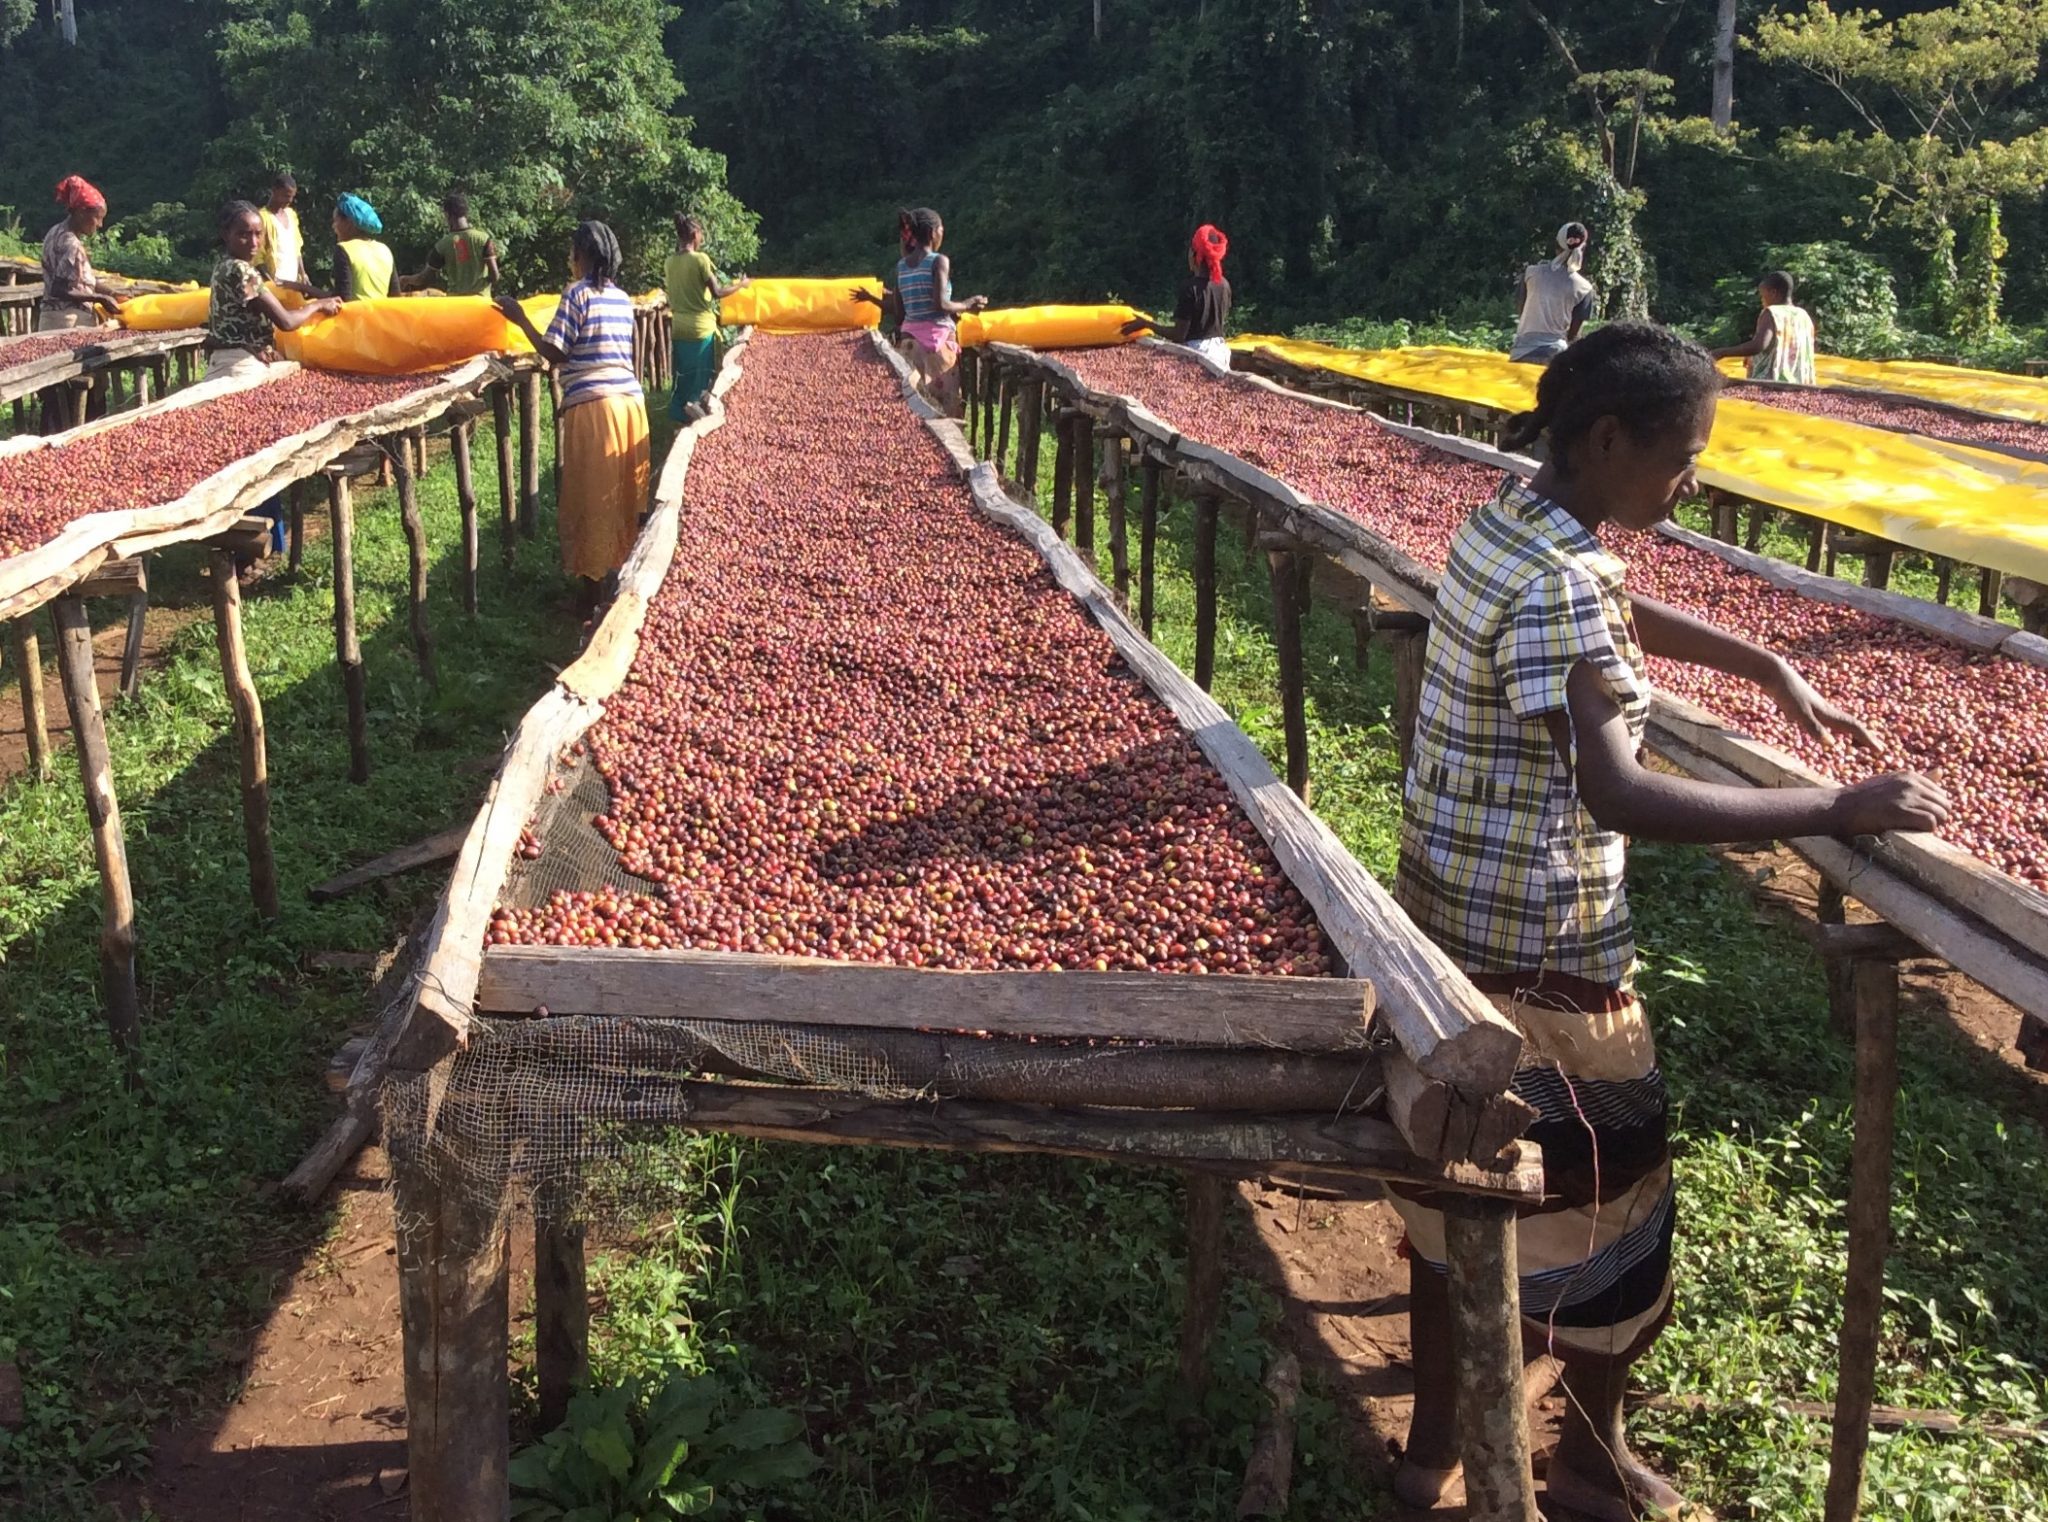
(604, 483)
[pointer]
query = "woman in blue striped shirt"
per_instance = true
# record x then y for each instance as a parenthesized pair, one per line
(603, 413)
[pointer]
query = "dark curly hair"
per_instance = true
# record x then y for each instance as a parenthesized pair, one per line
(1646, 377)
(919, 226)
(598, 247)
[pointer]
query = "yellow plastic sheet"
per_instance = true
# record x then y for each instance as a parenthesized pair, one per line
(400, 335)
(802, 305)
(1945, 499)
(1048, 327)
(182, 309)
(2024, 397)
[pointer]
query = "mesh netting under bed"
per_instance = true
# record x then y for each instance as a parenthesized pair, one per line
(549, 1112)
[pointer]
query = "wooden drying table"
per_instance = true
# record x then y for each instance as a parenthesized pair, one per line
(86, 382)
(1825, 540)
(1208, 1093)
(100, 554)
(1933, 898)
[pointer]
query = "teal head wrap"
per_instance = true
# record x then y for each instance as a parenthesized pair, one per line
(360, 212)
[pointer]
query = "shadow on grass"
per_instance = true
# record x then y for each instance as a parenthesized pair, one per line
(139, 1238)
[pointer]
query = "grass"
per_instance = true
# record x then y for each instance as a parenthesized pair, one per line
(966, 1337)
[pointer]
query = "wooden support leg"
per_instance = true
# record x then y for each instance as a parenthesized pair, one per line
(1205, 1281)
(1063, 472)
(416, 553)
(1006, 389)
(1877, 567)
(103, 810)
(131, 644)
(1725, 508)
(27, 654)
(1831, 909)
(234, 670)
(555, 422)
(465, 497)
(142, 387)
(1817, 553)
(529, 455)
(453, 1303)
(1486, 1332)
(1990, 583)
(991, 383)
(501, 418)
(1290, 574)
(1876, 984)
(1119, 528)
(1759, 516)
(1944, 578)
(1084, 486)
(295, 500)
(1148, 540)
(561, 1319)
(1205, 591)
(1408, 653)
(348, 651)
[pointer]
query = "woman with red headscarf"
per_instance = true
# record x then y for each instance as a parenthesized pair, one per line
(1202, 310)
(72, 294)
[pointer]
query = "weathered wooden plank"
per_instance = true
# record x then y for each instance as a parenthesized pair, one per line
(1293, 1014)
(407, 858)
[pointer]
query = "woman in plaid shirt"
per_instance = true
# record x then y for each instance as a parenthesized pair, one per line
(1524, 784)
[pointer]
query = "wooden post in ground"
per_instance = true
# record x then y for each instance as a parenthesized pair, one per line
(1877, 566)
(465, 497)
(529, 454)
(1486, 1334)
(138, 625)
(1148, 540)
(103, 810)
(1084, 486)
(1724, 508)
(555, 423)
(561, 1318)
(453, 1303)
(248, 708)
(1759, 517)
(1990, 583)
(416, 554)
(991, 383)
(295, 499)
(1876, 984)
(1119, 531)
(1205, 1198)
(1407, 636)
(1817, 552)
(1290, 573)
(1006, 396)
(348, 650)
(1205, 590)
(28, 671)
(1064, 468)
(1030, 426)
(501, 418)
(1944, 578)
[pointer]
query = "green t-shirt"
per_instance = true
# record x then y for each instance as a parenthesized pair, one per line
(464, 260)
(690, 280)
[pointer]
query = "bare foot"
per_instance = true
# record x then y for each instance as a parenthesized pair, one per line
(1622, 1491)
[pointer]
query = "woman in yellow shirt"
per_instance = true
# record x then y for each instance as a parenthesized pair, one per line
(693, 296)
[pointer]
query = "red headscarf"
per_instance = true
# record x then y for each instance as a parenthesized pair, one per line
(1210, 246)
(74, 193)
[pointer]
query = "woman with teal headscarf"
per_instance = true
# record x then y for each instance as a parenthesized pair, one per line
(363, 266)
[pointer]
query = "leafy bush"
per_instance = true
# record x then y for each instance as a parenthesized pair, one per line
(1848, 291)
(678, 1454)
(1370, 333)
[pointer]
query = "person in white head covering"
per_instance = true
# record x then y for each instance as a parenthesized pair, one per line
(1555, 299)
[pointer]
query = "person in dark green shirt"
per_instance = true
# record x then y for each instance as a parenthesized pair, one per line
(694, 292)
(467, 258)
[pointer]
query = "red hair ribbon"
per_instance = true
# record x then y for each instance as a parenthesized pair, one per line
(1210, 246)
(74, 193)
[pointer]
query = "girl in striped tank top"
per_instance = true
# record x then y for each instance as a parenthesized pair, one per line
(605, 463)
(924, 305)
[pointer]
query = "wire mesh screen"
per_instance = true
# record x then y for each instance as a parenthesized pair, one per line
(573, 856)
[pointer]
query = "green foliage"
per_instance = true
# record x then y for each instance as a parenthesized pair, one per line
(679, 1450)
(1927, 134)
(1980, 279)
(1941, 297)
(545, 111)
(16, 17)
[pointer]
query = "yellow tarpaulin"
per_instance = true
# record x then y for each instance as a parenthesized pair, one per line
(1048, 327)
(401, 335)
(2024, 397)
(1945, 499)
(776, 305)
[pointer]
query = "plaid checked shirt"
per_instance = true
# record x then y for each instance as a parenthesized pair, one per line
(1500, 863)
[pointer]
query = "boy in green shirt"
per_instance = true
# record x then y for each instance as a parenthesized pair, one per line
(467, 257)
(693, 296)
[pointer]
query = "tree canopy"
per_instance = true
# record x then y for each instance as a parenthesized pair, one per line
(1381, 158)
